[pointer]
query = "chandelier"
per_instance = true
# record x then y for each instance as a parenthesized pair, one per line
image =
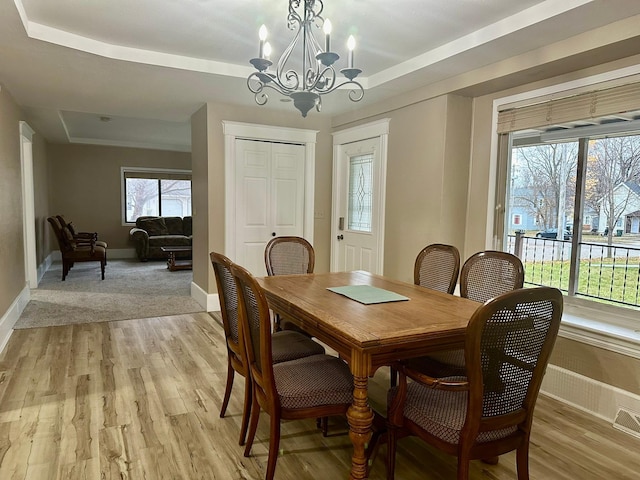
(318, 75)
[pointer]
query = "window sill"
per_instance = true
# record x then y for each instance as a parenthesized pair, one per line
(604, 326)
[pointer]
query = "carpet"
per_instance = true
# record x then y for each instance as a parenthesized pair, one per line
(131, 289)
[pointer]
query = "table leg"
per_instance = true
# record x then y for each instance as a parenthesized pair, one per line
(171, 261)
(360, 418)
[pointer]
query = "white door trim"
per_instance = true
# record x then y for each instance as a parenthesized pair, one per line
(250, 131)
(28, 205)
(380, 130)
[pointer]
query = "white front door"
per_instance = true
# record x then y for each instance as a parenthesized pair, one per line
(358, 207)
(270, 197)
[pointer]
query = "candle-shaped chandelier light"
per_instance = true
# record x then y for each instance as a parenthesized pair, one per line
(318, 75)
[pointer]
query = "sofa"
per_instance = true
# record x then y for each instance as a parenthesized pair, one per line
(152, 233)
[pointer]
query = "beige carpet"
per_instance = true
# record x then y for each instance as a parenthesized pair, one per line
(131, 289)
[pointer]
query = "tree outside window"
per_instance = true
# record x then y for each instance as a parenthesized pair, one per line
(156, 196)
(543, 180)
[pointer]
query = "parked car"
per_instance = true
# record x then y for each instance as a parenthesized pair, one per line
(552, 233)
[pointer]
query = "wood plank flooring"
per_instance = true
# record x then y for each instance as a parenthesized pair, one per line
(140, 399)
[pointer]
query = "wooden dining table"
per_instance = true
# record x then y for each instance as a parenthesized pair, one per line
(369, 336)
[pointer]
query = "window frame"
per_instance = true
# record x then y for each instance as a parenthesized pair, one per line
(579, 172)
(144, 170)
(582, 319)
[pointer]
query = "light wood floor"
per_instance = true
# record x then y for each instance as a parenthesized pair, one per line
(140, 399)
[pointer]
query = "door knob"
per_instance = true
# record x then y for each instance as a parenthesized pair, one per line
(341, 237)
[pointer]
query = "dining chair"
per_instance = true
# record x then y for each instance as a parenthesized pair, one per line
(72, 251)
(490, 273)
(437, 267)
(286, 345)
(488, 411)
(288, 255)
(310, 387)
(483, 276)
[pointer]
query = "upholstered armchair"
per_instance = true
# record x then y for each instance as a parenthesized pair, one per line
(72, 250)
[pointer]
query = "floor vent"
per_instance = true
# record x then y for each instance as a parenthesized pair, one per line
(628, 422)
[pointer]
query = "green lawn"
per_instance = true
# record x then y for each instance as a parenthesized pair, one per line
(607, 280)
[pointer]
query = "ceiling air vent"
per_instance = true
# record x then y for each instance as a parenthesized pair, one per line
(628, 422)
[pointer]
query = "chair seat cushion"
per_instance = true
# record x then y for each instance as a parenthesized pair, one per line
(442, 413)
(97, 243)
(169, 241)
(290, 345)
(83, 253)
(313, 381)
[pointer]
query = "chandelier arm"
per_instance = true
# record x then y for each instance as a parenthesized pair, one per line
(317, 14)
(293, 16)
(278, 88)
(324, 81)
(311, 51)
(261, 98)
(256, 85)
(356, 93)
(289, 79)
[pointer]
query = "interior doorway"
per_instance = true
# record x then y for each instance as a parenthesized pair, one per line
(28, 205)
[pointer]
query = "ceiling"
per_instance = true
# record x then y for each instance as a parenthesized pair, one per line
(131, 73)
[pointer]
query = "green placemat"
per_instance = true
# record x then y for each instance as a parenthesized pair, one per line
(367, 294)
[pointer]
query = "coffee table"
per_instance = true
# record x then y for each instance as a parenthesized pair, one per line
(174, 263)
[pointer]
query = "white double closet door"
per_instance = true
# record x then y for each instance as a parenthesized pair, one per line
(269, 197)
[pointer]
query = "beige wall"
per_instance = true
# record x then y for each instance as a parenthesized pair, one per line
(85, 185)
(200, 193)
(214, 115)
(12, 275)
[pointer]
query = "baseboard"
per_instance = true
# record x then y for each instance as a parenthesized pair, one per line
(11, 316)
(586, 394)
(209, 301)
(44, 266)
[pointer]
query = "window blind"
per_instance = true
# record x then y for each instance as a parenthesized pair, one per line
(583, 106)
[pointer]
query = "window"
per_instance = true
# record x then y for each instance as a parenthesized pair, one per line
(155, 192)
(584, 195)
(360, 193)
